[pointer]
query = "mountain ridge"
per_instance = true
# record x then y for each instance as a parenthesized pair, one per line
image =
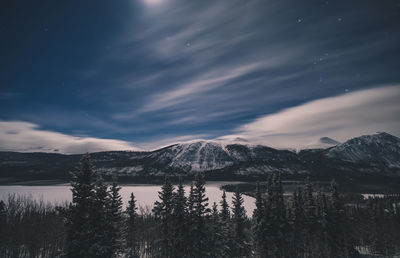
(366, 154)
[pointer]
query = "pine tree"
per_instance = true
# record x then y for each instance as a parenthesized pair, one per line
(115, 218)
(78, 216)
(241, 247)
(131, 229)
(180, 226)
(275, 226)
(215, 238)
(324, 248)
(298, 223)
(225, 213)
(258, 225)
(101, 245)
(190, 221)
(341, 243)
(226, 230)
(311, 220)
(3, 229)
(163, 213)
(200, 213)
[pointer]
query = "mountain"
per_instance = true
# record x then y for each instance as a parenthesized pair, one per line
(377, 154)
(322, 143)
(216, 155)
(377, 149)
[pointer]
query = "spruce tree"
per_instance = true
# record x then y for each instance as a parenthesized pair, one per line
(3, 229)
(101, 245)
(78, 217)
(115, 218)
(190, 221)
(281, 223)
(258, 225)
(200, 214)
(131, 229)
(298, 223)
(215, 238)
(225, 213)
(341, 243)
(241, 244)
(163, 213)
(311, 220)
(226, 230)
(180, 226)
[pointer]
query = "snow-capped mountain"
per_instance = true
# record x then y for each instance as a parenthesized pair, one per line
(215, 155)
(377, 154)
(379, 149)
(322, 143)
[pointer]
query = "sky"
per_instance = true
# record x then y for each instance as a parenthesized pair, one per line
(78, 76)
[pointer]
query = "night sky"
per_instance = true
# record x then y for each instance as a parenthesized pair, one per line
(79, 76)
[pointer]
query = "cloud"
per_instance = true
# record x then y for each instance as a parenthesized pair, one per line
(198, 86)
(209, 60)
(28, 137)
(341, 117)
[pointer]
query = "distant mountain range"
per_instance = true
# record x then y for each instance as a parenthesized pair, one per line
(377, 154)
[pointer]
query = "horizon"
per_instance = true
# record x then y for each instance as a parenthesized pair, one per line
(317, 144)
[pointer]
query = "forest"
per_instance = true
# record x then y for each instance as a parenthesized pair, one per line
(95, 224)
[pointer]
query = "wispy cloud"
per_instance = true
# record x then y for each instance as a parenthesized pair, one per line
(28, 137)
(341, 117)
(212, 61)
(164, 68)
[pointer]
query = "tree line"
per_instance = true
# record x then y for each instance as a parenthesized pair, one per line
(306, 224)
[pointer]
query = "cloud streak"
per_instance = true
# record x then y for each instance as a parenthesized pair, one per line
(341, 117)
(28, 137)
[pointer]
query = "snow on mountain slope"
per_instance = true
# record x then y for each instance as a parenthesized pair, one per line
(378, 153)
(380, 149)
(322, 143)
(206, 155)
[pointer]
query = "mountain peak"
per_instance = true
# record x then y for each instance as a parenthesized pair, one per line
(328, 140)
(322, 143)
(240, 139)
(368, 148)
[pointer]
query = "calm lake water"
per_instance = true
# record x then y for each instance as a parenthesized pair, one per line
(145, 195)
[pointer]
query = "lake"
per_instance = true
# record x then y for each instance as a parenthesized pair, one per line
(145, 194)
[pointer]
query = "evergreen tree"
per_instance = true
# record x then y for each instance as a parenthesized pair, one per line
(163, 213)
(180, 221)
(78, 216)
(241, 246)
(131, 238)
(115, 218)
(226, 230)
(215, 239)
(276, 228)
(190, 220)
(322, 235)
(341, 243)
(298, 213)
(225, 213)
(3, 229)
(101, 245)
(258, 225)
(200, 213)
